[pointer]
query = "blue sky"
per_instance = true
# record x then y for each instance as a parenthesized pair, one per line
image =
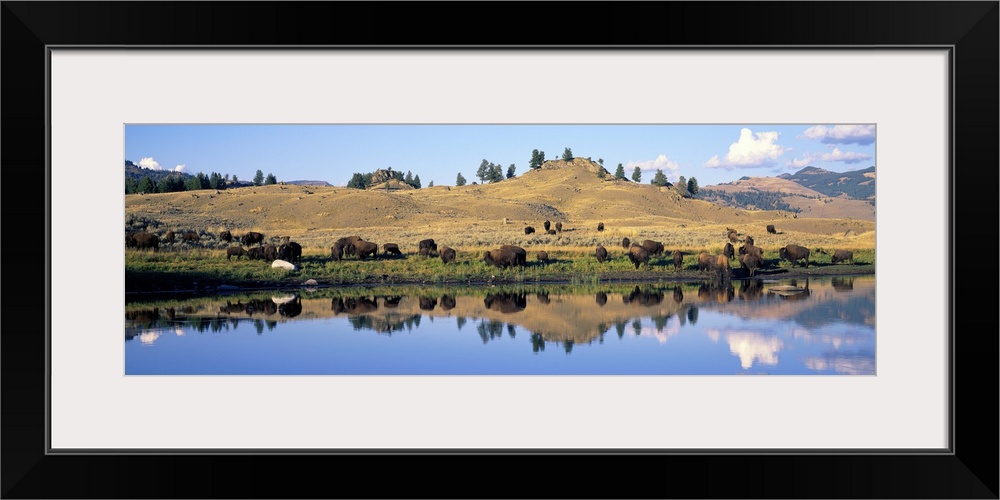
(711, 153)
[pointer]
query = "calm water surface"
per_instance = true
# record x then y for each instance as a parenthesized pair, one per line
(823, 326)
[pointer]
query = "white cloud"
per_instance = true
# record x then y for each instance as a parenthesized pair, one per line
(841, 134)
(848, 157)
(751, 150)
(150, 163)
(670, 168)
(178, 168)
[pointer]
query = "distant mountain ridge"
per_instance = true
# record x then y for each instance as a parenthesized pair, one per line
(309, 183)
(855, 184)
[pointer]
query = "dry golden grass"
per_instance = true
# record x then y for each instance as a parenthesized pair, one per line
(472, 218)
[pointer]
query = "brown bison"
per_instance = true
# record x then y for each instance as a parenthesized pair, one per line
(346, 244)
(142, 240)
(757, 252)
(794, 253)
(522, 255)
(226, 236)
(255, 253)
(600, 226)
(547, 226)
(653, 247)
(252, 238)
(638, 255)
(529, 230)
(391, 248)
(626, 243)
(169, 237)
(425, 247)
(705, 261)
(363, 249)
(728, 250)
(337, 251)
(678, 259)
(733, 236)
(559, 227)
(500, 258)
(290, 251)
(543, 256)
(237, 251)
(447, 254)
(748, 240)
(270, 252)
(601, 253)
(722, 264)
(842, 256)
(551, 231)
(190, 236)
(770, 229)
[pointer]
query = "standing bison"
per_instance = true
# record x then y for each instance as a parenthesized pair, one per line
(143, 240)
(770, 229)
(520, 253)
(363, 249)
(638, 255)
(751, 262)
(600, 226)
(601, 253)
(529, 230)
(169, 237)
(728, 250)
(425, 247)
(391, 248)
(794, 253)
(678, 259)
(447, 254)
(722, 264)
(559, 227)
(626, 243)
(543, 256)
(337, 251)
(749, 241)
(347, 245)
(733, 236)
(190, 236)
(291, 251)
(653, 247)
(501, 257)
(547, 225)
(235, 251)
(226, 236)
(252, 238)
(842, 256)
(270, 252)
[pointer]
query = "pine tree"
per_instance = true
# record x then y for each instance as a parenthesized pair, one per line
(484, 171)
(693, 186)
(637, 174)
(258, 178)
(146, 185)
(416, 181)
(659, 179)
(620, 172)
(430, 184)
(460, 181)
(567, 155)
(271, 179)
(536, 160)
(510, 171)
(681, 186)
(496, 173)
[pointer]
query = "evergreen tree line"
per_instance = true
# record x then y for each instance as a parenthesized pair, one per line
(174, 182)
(493, 172)
(763, 200)
(364, 181)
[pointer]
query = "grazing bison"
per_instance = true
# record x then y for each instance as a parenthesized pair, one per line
(346, 244)
(842, 256)
(190, 236)
(559, 227)
(749, 241)
(551, 231)
(290, 251)
(143, 240)
(770, 229)
(337, 251)
(255, 253)
(626, 243)
(529, 230)
(705, 261)
(601, 253)
(678, 259)
(600, 226)
(638, 255)
(757, 252)
(169, 237)
(447, 254)
(391, 248)
(237, 251)
(653, 247)
(547, 226)
(794, 253)
(270, 252)
(425, 247)
(501, 258)
(363, 249)
(522, 255)
(543, 256)
(722, 264)
(252, 238)
(728, 250)
(226, 236)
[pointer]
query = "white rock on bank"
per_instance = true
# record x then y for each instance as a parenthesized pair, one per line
(284, 264)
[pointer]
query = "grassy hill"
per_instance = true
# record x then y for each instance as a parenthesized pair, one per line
(474, 217)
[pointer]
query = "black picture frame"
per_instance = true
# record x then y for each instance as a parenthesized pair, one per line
(970, 28)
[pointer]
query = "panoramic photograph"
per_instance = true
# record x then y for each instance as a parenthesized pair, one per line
(482, 249)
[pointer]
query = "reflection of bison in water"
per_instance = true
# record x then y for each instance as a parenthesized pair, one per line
(794, 253)
(643, 297)
(638, 256)
(427, 303)
(447, 302)
(235, 251)
(529, 230)
(252, 238)
(506, 302)
(678, 294)
(266, 306)
(716, 293)
(447, 254)
(751, 289)
(291, 308)
(842, 256)
(842, 284)
(602, 298)
(425, 247)
(142, 240)
(353, 305)
(770, 229)
(601, 253)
